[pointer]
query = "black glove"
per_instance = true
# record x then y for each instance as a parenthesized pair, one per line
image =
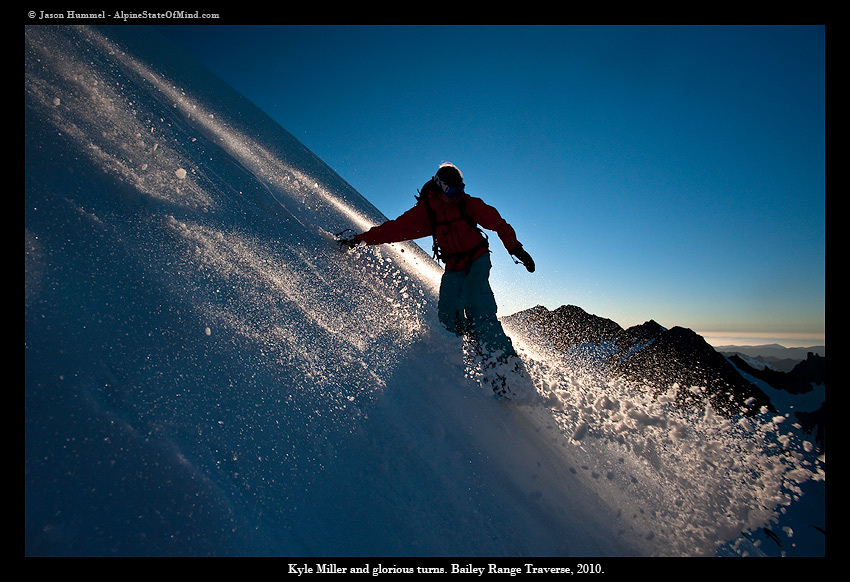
(523, 257)
(347, 240)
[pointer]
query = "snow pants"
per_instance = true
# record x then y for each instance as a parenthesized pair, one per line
(467, 306)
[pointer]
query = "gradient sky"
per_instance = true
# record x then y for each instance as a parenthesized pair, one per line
(667, 173)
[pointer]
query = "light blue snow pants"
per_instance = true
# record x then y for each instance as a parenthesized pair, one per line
(467, 305)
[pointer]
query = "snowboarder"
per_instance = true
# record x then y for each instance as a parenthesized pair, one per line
(467, 306)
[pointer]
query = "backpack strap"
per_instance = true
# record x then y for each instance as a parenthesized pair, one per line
(424, 197)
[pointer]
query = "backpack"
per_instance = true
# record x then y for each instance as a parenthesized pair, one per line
(422, 197)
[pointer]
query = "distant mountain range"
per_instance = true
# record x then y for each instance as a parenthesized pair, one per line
(656, 358)
(772, 355)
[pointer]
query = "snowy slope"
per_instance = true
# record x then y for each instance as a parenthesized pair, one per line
(206, 374)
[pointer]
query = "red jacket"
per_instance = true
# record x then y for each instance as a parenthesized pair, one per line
(460, 242)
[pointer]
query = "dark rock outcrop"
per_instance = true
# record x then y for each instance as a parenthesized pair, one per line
(799, 380)
(653, 357)
(682, 358)
(569, 325)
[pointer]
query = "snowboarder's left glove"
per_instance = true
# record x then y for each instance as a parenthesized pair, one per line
(523, 257)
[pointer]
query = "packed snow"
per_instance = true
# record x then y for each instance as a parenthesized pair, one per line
(207, 374)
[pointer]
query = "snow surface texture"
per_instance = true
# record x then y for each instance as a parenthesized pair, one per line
(207, 374)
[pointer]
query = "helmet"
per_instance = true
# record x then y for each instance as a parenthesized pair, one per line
(449, 174)
(450, 179)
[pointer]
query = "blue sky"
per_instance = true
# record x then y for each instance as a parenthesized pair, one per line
(667, 173)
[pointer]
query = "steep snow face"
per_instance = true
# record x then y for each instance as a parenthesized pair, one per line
(181, 276)
(207, 374)
(218, 219)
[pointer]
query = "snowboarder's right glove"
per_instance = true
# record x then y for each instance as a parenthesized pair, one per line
(523, 257)
(347, 240)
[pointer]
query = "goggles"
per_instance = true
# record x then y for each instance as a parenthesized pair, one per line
(452, 191)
